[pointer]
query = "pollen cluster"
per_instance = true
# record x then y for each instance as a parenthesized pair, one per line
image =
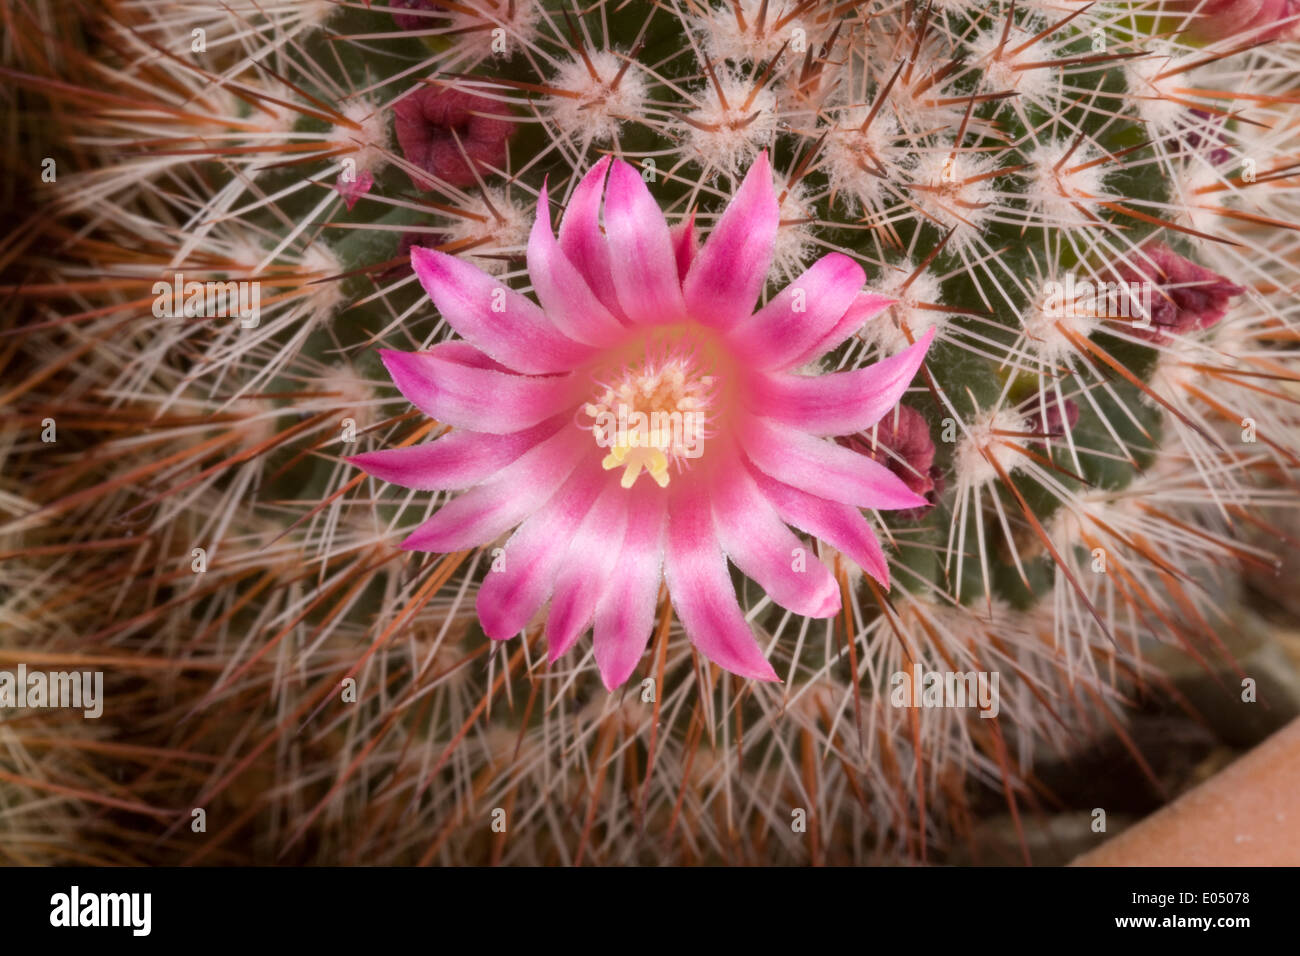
(653, 414)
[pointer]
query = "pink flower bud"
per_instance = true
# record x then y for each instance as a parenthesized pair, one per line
(443, 131)
(902, 443)
(1046, 415)
(409, 21)
(1252, 19)
(1185, 296)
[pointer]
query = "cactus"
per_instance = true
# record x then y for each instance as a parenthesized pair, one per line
(1082, 212)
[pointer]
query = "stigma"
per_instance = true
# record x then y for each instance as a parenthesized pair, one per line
(634, 460)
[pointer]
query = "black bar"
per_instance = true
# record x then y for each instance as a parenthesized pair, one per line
(455, 908)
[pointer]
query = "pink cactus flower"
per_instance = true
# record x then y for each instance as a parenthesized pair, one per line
(901, 442)
(451, 134)
(1186, 296)
(1250, 19)
(645, 423)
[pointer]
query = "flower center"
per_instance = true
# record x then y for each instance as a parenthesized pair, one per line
(653, 412)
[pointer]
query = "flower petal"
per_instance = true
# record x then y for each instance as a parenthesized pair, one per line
(583, 242)
(512, 594)
(759, 543)
(490, 509)
(451, 385)
(494, 317)
(841, 402)
(565, 296)
(586, 569)
(799, 459)
(625, 613)
(457, 460)
(701, 588)
(645, 272)
(841, 526)
(865, 307)
(686, 243)
(800, 315)
(727, 276)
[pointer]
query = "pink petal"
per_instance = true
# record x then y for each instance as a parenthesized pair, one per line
(582, 241)
(727, 276)
(756, 540)
(813, 464)
(510, 596)
(686, 242)
(865, 307)
(461, 459)
(586, 569)
(490, 509)
(800, 315)
(701, 588)
(645, 270)
(564, 294)
(625, 613)
(494, 317)
(354, 189)
(462, 353)
(841, 526)
(444, 385)
(842, 402)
